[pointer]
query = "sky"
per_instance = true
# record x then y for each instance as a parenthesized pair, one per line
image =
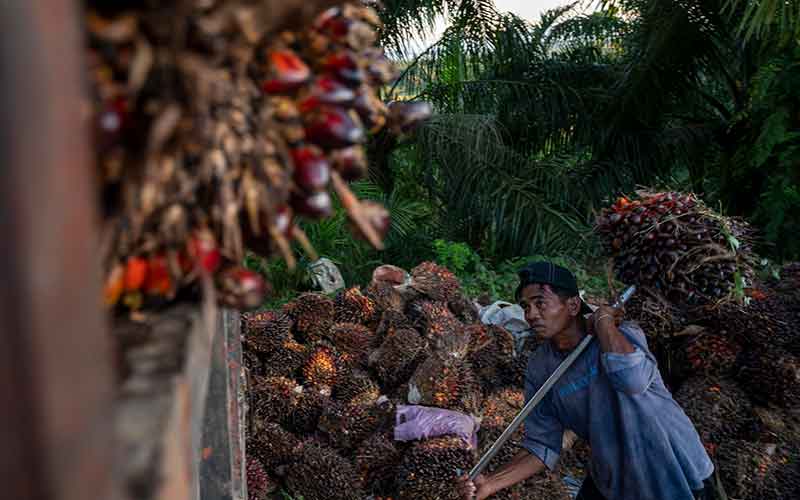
(530, 10)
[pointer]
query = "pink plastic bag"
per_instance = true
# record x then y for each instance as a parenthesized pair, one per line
(423, 422)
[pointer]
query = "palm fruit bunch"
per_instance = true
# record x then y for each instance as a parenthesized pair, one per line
(491, 350)
(398, 356)
(322, 474)
(429, 469)
(748, 470)
(771, 375)
(708, 354)
(718, 408)
(434, 319)
(446, 381)
(673, 243)
(351, 306)
(354, 341)
(392, 320)
(376, 460)
(348, 424)
(311, 403)
(357, 388)
(322, 367)
(273, 399)
(259, 485)
(274, 446)
(313, 315)
(216, 124)
(435, 281)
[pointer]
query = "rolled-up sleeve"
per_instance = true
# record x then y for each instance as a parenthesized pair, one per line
(631, 373)
(543, 431)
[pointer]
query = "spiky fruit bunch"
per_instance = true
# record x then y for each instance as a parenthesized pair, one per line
(322, 474)
(376, 459)
(709, 354)
(434, 319)
(266, 331)
(446, 382)
(428, 469)
(398, 356)
(274, 446)
(259, 484)
(312, 314)
(491, 350)
(463, 309)
(322, 366)
(273, 399)
(353, 341)
(719, 409)
(285, 359)
(346, 425)
(771, 375)
(392, 320)
(750, 325)
(746, 468)
(311, 402)
(673, 243)
(435, 281)
(351, 306)
(356, 387)
(385, 296)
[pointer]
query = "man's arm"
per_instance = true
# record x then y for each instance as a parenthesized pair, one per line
(519, 468)
(627, 361)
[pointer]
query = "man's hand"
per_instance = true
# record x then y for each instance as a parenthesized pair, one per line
(603, 318)
(473, 490)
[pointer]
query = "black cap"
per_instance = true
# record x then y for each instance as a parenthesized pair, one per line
(547, 273)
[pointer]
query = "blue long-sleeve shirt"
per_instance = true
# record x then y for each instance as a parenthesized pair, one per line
(644, 447)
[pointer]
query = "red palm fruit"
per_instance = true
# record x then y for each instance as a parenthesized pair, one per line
(135, 273)
(242, 288)
(287, 72)
(344, 67)
(333, 128)
(326, 91)
(159, 281)
(204, 250)
(351, 163)
(380, 69)
(316, 205)
(114, 286)
(312, 171)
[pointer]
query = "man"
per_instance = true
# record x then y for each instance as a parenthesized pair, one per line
(643, 446)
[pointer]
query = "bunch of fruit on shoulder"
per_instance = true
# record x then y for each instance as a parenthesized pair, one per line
(326, 374)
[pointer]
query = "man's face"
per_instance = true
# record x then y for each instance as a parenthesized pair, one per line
(545, 311)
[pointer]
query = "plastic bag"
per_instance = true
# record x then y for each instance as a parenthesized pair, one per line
(423, 422)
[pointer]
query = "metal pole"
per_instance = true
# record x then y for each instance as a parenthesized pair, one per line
(540, 394)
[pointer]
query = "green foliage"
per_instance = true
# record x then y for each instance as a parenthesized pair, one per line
(480, 276)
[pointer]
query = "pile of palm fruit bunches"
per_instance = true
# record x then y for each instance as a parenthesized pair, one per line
(216, 127)
(727, 340)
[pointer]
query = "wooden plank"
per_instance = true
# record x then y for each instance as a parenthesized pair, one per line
(55, 372)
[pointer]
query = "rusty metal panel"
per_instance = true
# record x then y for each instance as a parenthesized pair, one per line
(55, 372)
